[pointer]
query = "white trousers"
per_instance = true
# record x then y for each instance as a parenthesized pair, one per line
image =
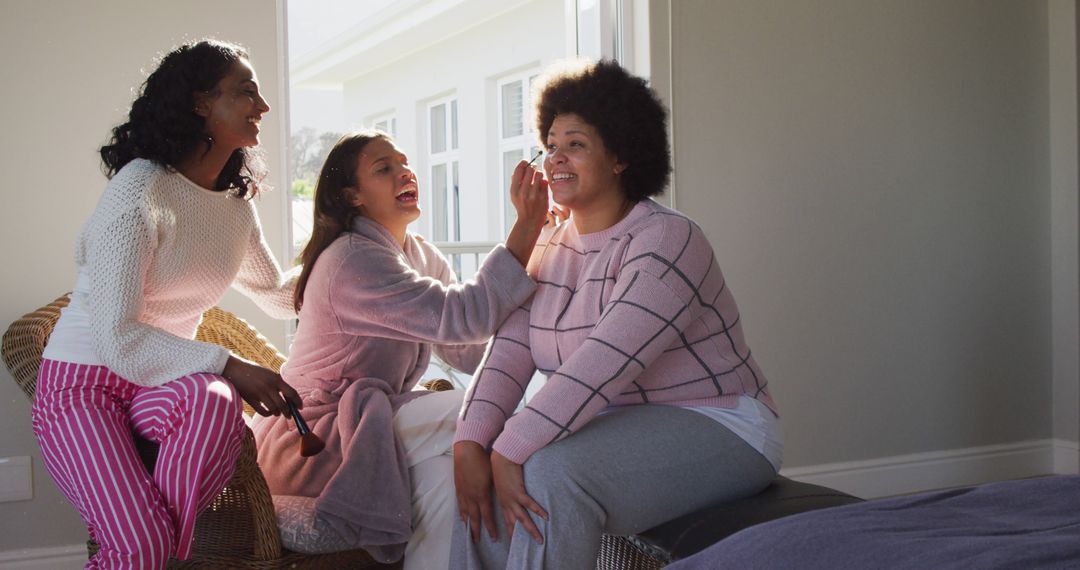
(425, 428)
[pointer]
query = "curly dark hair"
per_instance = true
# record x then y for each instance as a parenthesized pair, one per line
(162, 126)
(623, 108)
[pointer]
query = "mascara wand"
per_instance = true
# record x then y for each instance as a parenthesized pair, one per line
(310, 444)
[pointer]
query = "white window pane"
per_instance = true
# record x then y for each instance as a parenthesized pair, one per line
(530, 119)
(590, 37)
(453, 124)
(438, 128)
(510, 161)
(512, 109)
(438, 196)
(455, 203)
(303, 210)
(469, 265)
(393, 127)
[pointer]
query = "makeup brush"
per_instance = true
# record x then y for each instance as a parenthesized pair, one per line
(539, 153)
(310, 444)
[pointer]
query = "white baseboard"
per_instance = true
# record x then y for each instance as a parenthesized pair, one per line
(1066, 457)
(52, 558)
(904, 474)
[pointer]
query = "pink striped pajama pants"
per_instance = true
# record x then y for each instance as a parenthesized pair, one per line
(84, 417)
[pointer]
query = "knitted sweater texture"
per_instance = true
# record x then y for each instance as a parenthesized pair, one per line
(636, 314)
(157, 252)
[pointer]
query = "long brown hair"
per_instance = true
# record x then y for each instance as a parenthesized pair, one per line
(334, 211)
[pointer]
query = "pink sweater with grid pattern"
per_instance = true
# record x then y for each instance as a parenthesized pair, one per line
(636, 314)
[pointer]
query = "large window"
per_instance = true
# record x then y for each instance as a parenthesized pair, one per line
(443, 169)
(379, 63)
(517, 138)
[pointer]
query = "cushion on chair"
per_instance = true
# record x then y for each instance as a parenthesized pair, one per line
(301, 531)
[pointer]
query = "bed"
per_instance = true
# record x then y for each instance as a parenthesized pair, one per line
(1028, 523)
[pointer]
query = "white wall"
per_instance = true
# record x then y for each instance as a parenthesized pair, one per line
(874, 177)
(70, 68)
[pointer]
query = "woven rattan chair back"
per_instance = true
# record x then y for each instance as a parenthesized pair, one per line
(25, 340)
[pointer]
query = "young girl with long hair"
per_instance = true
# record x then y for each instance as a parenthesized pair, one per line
(375, 300)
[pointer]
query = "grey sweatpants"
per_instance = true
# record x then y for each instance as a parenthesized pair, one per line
(624, 472)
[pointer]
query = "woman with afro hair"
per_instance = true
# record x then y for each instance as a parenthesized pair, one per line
(653, 405)
(173, 230)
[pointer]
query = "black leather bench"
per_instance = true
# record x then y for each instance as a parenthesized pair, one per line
(696, 531)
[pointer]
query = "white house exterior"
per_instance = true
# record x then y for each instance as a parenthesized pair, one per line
(450, 80)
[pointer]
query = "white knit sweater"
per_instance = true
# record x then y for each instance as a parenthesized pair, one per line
(157, 252)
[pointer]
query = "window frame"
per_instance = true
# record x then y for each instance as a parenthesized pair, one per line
(526, 142)
(388, 119)
(445, 209)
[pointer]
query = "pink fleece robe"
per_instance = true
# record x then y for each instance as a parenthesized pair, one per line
(372, 313)
(638, 313)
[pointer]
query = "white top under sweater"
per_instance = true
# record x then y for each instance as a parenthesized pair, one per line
(158, 251)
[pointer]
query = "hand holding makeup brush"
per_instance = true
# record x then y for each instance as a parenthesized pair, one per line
(260, 387)
(529, 194)
(310, 444)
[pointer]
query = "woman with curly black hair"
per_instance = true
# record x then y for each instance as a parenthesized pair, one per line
(174, 228)
(653, 405)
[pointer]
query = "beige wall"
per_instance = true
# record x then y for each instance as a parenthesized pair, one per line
(69, 70)
(874, 177)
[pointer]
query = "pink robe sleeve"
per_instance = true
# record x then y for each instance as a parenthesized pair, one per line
(377, 294)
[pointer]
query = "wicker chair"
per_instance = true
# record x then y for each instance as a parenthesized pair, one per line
(239, 529)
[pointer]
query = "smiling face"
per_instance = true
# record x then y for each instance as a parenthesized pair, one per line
(234, 108)
(386, 187)
(583, 174)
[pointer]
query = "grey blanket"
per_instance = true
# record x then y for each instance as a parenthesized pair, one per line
(1029, 523)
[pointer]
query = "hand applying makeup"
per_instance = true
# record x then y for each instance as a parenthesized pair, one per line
(529, 194)
(557, 213)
